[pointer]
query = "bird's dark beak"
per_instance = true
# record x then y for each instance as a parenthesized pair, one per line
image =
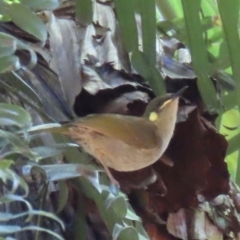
(179, 93)
(174, 97)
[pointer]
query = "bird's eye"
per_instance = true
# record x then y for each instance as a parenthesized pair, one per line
(158, 105)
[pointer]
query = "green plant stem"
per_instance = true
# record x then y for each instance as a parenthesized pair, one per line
(166, 9)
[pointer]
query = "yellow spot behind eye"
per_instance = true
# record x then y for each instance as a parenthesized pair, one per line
(153, 116)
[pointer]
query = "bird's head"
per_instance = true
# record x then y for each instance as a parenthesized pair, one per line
(163, 106)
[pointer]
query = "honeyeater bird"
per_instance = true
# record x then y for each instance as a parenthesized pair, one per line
(127, 143)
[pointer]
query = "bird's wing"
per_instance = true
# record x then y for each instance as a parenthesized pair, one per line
(135, 131)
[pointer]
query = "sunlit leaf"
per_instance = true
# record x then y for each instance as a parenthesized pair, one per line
(58, 172)
(62, 195)
(169, 9)
(230, 19)
(8, 198)
(4, 163)
(126, 18)
(199, 55)
(80, 224)
(132, 216)
(15, 145)
(156, 82)
(14, 228)
(48, 151)
(9, 229)
(12, 115)
(148, 20)
(24, 18)
(17, 182)
(165, 26)
(17, 82)
(234, 144)
(8, 216)
(43, 127)
(84, 11)
(41, 4)
(121, 232)
(150, 73)
(7, 45)
(225, 81)
(231, 128)
(118, 204)
(223, 60)
(9, 63)
(140, 64)
(2, 7)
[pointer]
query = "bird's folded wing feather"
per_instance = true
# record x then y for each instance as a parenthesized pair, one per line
(135, 131)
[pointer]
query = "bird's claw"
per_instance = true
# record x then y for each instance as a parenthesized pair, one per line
(114, 187)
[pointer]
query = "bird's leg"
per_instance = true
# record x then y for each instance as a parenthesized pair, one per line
(161, 185)
(112, 179)
(109, 174)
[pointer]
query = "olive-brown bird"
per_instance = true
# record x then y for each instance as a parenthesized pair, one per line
(127, 143)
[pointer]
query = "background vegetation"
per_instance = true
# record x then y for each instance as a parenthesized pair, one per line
(39, 83)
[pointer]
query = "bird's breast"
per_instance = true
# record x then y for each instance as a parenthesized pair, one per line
(113, 152)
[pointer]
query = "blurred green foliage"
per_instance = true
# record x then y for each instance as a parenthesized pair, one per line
(208, 28)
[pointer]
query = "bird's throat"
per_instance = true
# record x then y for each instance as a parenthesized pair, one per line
(165, 123)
